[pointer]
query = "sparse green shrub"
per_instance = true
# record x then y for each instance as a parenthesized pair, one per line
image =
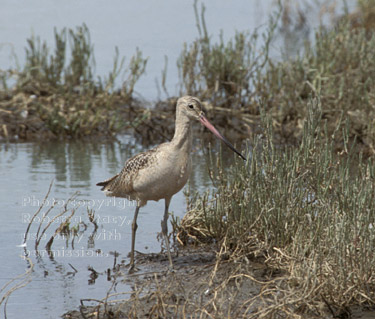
(307, 210)
(340, 69)
(223, 72)
(235, 76)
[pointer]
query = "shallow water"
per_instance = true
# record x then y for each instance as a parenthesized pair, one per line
(26, 171)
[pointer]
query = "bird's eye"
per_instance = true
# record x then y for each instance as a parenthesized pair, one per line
(191, 106)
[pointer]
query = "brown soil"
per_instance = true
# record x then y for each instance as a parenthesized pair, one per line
(202, 285)
(190, 288)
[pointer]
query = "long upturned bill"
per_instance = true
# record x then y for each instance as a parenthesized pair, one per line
(207, 124)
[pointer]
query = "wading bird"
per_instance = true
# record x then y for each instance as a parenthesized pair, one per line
(162, 171)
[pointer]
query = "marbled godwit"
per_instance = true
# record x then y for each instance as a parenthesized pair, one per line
(162, 171)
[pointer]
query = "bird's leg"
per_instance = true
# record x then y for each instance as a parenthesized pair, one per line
(164, 229)
(134, 229)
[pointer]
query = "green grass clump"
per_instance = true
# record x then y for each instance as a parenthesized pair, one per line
(307, 211)
(58, 93)
(223, 72)
(340, 69)
(338, 66)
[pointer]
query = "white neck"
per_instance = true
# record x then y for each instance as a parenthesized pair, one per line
(182, 138)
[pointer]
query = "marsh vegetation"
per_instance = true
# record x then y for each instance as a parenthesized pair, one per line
(306, 212)
(56, 94)
(302, 206)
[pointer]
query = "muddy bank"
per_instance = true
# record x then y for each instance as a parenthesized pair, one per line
(28, 117)
(149, 124)
(204, 284)
(198, 284)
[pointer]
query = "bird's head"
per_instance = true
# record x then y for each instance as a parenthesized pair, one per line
(191, 107)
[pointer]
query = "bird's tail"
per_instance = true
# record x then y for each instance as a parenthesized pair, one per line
(106, 185)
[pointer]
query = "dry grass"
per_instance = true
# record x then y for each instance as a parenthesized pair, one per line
(304, 213)
(307, 211)
(291, 235)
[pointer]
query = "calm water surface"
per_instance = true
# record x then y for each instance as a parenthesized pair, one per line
(26, 171)
(158, 29)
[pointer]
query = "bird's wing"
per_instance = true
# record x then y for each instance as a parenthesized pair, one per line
(121, 185)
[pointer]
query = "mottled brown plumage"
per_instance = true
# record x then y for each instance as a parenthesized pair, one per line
(162, 171)
(121, 185)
